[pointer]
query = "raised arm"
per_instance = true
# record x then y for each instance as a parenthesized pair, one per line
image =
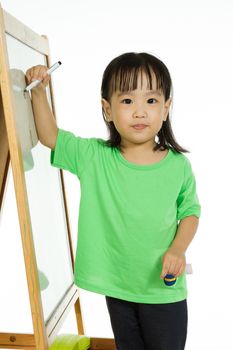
(44, 119)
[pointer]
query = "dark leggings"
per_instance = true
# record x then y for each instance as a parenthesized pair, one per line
(138, 326)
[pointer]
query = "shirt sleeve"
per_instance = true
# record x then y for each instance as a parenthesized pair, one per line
(71, 152)
(188, 201)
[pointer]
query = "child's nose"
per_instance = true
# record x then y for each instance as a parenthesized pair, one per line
(139, 111)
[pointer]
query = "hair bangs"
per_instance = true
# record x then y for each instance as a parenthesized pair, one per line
(126, 79)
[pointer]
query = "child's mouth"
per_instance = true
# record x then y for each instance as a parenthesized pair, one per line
(139, 126)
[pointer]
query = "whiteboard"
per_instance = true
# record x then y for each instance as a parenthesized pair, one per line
(43, 185)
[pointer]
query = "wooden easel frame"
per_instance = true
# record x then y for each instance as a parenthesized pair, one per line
(44, 334)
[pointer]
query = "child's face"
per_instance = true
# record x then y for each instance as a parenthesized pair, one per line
(137, 107)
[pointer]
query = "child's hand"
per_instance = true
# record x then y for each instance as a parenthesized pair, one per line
(174, 263)
(38, 73)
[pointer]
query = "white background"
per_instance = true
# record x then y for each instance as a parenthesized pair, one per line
(194, 39)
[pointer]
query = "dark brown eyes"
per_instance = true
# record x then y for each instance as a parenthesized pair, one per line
(129, 101)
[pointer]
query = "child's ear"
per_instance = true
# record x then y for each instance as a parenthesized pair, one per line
(167, 106)
(107, 109)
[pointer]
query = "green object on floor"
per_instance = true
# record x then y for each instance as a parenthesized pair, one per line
(70, 342)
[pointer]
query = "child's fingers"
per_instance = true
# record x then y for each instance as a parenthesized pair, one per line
(173, 264)
(165, 270)
(173, 267)
(43, 76)
(177, 267)
(180, 271)
(38, 72)
(31, 74)
(46, 79)
(28, 76)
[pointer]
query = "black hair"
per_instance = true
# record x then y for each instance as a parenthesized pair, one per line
(122, 74)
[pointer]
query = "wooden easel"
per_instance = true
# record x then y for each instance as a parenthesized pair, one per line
(44, 334)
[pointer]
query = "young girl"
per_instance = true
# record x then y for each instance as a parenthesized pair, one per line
(139, 208)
